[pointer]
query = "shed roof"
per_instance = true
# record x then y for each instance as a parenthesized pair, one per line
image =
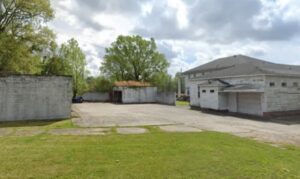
(131, 84)
(242, 65)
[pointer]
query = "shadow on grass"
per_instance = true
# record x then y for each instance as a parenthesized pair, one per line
(31, 123)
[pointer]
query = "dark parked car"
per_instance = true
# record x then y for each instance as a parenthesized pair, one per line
(77, 99)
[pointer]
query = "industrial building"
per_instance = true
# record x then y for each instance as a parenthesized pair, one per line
(242, 84)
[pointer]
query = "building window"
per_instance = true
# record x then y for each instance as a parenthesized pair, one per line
(199, 91)
(295, 84)
(212, 91)
(272, 84)
(283, 84)
(203, 91)
(188, 91)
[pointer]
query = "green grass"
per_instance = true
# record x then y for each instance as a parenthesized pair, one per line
(182, 103)
(152, 155)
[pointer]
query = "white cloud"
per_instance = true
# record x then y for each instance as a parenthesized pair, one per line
(189, 32)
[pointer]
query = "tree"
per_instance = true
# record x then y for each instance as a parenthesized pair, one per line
(73, 60)
(133, 58)
(164, 82)
(99, 84)
(23, 37)
(15, 15)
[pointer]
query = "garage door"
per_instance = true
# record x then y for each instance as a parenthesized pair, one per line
(249, 103)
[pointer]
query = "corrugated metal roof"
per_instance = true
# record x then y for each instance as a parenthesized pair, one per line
(242, 65)
(131, 84)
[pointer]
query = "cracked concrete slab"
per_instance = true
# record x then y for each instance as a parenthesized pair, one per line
(131, 130)
(80, 131)
(179, 128)
(112, 115)
(105, 114)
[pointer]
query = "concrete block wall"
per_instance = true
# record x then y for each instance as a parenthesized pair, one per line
(146, 95)
(168, 98)
(96, 97)
(279, 98)
(139, 95)
(26, 97)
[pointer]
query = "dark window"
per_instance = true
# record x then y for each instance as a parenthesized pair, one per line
(203, 91)
(272, 84)
(283, 84)
(212, 91)
(199, 91)
(295, 84)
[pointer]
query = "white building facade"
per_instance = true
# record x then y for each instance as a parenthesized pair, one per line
(245, 85)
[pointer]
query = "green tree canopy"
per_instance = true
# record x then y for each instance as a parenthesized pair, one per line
(133, 58)
(99, 84)
(23, 37)
(15, 15)
(164, 82)
(74, 64)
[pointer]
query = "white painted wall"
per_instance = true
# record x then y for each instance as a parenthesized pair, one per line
(194, 100)
(209, 100)
(249, 103)
(232, 102)
(223, 101)
(26, 97)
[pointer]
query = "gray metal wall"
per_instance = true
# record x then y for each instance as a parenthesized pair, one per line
(26, 97)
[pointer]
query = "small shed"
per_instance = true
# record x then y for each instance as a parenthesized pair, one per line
(133, 92)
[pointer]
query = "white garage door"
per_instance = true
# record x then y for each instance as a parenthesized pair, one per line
(249, 103)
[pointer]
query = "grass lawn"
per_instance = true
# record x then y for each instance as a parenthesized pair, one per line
(182, 103)
(152, 155)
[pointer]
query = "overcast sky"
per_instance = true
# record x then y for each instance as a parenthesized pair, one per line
(188, 32)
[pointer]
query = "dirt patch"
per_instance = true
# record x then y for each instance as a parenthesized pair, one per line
(5, 132)
(179, 128)
(131, 130)
(80, 131)
(28, 132)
